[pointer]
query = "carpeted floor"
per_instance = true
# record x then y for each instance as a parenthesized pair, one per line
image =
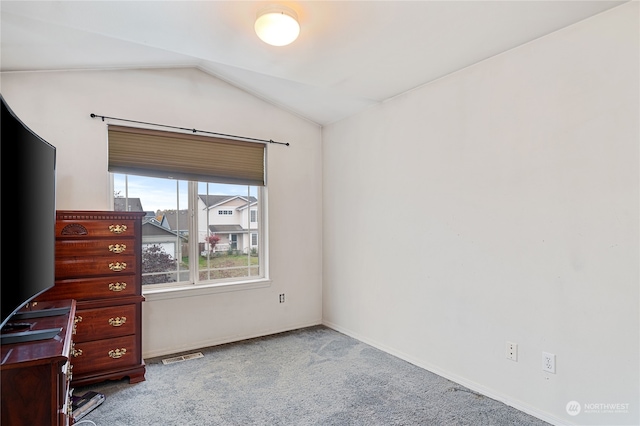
(312, 376)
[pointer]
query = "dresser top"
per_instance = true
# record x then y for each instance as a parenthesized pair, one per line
(42, 351)
(96, 215)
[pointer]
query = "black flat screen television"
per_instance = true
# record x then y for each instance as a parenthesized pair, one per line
(27, 221)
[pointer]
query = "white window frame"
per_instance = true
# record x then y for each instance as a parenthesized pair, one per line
(193, 288)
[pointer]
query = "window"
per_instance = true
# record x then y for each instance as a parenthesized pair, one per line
(183, 227)
(203, 218)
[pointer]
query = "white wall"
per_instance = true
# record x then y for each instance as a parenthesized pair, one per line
(57, 106)
(499, 203)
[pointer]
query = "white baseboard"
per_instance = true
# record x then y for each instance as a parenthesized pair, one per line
(226, 339)
(476, 387)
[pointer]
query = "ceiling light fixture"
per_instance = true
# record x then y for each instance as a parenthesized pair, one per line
(277, 25)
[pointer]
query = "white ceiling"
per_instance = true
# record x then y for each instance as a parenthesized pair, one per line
(350, 54)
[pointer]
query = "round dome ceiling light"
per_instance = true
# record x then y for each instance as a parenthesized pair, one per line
(277, 25)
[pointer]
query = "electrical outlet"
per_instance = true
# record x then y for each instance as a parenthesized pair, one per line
(512, 351)
(548, 362)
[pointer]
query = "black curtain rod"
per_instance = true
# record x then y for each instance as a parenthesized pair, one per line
(190, 130)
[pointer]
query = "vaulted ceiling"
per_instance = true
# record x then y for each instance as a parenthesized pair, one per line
(350, 54)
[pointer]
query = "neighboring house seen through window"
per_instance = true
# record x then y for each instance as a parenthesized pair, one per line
(224, 246)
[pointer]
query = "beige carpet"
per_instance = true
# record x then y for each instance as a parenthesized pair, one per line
(313, 376)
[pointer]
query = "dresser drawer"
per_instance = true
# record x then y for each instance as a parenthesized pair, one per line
(91, 229)
(107, 354)
(99, 247)
(103, 323)
(101, 288)
(67, 267)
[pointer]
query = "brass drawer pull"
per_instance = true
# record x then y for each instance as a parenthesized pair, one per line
(117, 229)
(117, 321)
(117, 353)
(117, 286)
(117, 267)
(75, 352)
(76, 320)
(117, 248)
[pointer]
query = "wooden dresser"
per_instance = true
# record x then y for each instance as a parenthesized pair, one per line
(35, 375)
(98, 263)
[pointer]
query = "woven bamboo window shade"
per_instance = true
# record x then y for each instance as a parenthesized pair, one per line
(186, 157)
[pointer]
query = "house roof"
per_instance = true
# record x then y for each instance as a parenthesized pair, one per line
(217, 200)
(213, 200)
(178, 221)
(226, 229)
(121, 204)
(153, 228)
(244, 206)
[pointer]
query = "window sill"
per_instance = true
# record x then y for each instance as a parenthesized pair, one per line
(203, 289)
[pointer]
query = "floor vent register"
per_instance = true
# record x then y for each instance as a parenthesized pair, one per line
(181, 358)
